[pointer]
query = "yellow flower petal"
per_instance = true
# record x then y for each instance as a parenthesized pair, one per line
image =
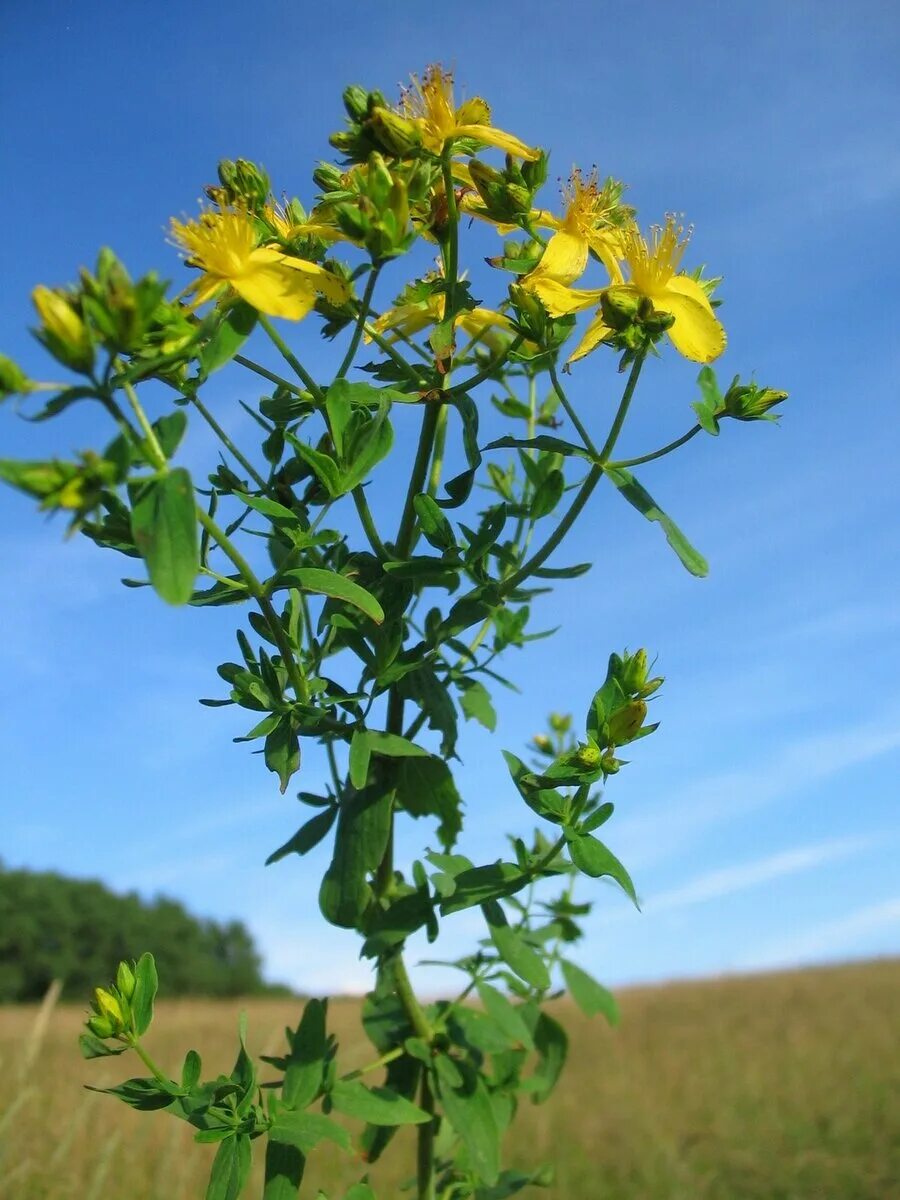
(565, 258)
(697, 332)
(496, 137)
(276, 290)
(474, 112)
(328, 285)
(607, 246)
(560, 300)
(593, 336)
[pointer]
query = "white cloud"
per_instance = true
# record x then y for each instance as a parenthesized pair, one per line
(829, 939)
(727, 880)
(663, 830)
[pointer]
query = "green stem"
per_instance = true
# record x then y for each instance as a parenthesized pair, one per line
(573, 415)
(427, 435)
(272, 377)
(410, 1001)
(451, 250)
(610, 444)
(391, 1056)
(368, 523)
(667, 449)
(360, 323)
(153, 447)
(437, 458)
(473, 381)
(593, 477)
(258, 592)
(290, 358)
(425, 1181)
(228, 443)
(385, 345)
(148, 1062)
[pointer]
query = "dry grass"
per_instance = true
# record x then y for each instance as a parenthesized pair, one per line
(781, 1087)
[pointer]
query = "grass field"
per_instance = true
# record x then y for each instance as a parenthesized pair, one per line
(779, 1087)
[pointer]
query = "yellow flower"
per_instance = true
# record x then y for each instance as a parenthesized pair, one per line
(412, 317)
(430, 106)
(224, 246)
(587, 224)
(696, 331)
(318, 225)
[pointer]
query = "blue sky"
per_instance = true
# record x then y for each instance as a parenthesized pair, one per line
(760, 822)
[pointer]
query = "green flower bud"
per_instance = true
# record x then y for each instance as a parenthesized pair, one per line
(107, 1005)
(125, 980)
(620, 307)
(13, 380)
(379, 180)
(560, 723)
(101, 1027)
(63, 331)
(395, 134)
(356, 102)
(626, 721)
(542, 743)
(748, 402)
(588, 755)
(328, 177)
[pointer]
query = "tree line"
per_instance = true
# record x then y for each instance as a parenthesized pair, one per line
(53, 927)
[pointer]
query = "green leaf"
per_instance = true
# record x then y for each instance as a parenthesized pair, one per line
(322, 465)
(403, 1076)
(228, 338)
(475, 701)
(505, 1014)
(592, 858)
(435, 527)
(425, 788)
(369, 445)
(339, 587)
(145, 989)
(471, 1114)
(513, 948)
(590, 996)
(480, 884)
(269, 508)
(378, 1106)
(542, 442)
(640, 498)
(93, 1047)
(360, 754)
(392, 745)
(307, 836)
(169, 431)
(164, 527)
(285, 1165)
(362, 835)
(305, 1065)
(282, 751)
(338, 406)
(230, 1168)
(190, 1072)
(365, 395)
(548, 495)
(360, 1191)
(552, 1045)
(306, 1130)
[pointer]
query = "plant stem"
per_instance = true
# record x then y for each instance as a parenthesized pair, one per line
(153, 447)
(360, 322)
(257, 369)
(437, 458)
(425, 1189)
(593, 477)
(473, 381)
(410, 1002)
(610, 444)
(417, 479)
(228, 443)
(385, 345)
(148, 1061)
(573, 415)
(258, 592)
(391, 1056)
(368, 523)
(290, 358)
(667, 449)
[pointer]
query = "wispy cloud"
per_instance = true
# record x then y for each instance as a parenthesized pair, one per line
(713, 885)
(829, 939)
(688, 811)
